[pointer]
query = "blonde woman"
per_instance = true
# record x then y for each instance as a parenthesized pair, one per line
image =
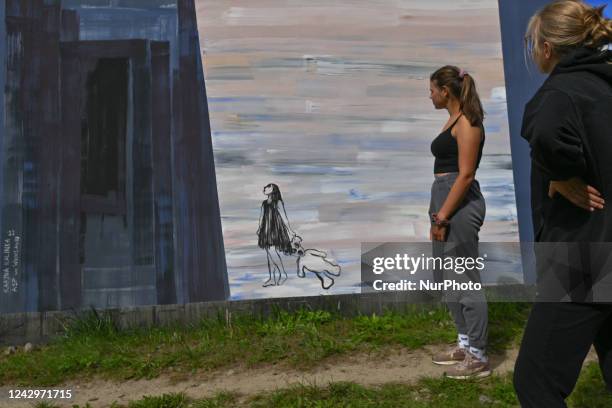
(568, 124)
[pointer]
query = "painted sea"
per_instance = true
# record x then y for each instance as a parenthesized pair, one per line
(330, 101)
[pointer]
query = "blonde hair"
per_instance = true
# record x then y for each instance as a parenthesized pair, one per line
(566, 25)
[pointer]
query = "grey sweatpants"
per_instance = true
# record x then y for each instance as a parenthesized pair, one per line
(468, 307)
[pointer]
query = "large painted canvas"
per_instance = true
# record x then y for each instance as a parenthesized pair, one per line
(329, 101)
(104, 126)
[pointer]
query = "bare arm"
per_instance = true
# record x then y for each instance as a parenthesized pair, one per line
(468, 142)
(283, 215)
(260, 218)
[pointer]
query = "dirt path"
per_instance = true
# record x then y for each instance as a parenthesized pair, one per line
(402, 366)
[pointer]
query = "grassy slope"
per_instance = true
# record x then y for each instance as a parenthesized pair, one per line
(93, 346)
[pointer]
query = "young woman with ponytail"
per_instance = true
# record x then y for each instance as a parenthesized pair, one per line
(457, 211)
(568, 124)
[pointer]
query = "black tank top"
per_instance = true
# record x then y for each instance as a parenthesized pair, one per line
(446, 152)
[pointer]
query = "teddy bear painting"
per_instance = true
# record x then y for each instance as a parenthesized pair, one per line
(314, 261)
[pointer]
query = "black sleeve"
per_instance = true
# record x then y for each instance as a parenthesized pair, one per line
(554, 131)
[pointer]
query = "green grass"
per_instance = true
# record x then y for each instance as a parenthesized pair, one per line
(506, 325)
(93, 346)
(590, 391)
(494, 391)
(390, 395)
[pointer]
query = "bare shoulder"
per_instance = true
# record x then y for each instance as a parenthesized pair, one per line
(464, 129)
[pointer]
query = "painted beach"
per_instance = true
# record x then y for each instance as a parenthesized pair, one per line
(330, 101)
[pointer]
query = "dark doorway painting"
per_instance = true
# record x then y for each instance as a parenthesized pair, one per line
(108, 186)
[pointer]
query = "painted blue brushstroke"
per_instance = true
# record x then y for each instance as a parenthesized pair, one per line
(308, 169)
(221, 99)
(386, 145)
(493, 129)
(31, 290)
(145, 20)
(356, 194)
(165, 209)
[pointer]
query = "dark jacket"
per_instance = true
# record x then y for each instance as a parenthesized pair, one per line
(568, 124)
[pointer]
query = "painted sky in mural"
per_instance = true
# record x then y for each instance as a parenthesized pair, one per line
(330, 102)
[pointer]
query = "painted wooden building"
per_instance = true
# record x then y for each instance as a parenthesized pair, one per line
(108, 187)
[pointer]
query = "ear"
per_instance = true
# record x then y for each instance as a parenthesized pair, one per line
(547, 49)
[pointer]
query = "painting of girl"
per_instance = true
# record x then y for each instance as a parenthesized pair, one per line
(273, 233)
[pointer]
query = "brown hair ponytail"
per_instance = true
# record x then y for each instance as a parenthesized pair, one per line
(462, 86)
(470, 101)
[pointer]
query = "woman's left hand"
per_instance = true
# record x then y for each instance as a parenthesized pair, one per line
(438, 233)
(578, 192)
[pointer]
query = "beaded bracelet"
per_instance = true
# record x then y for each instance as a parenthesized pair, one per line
(438, 222)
